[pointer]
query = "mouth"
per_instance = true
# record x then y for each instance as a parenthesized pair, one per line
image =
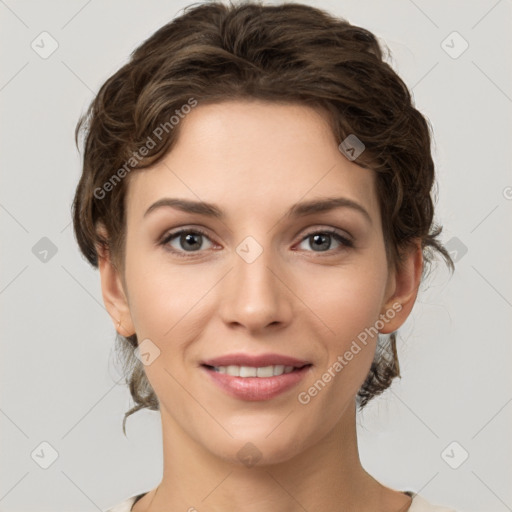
(253, 371)
(255, 383)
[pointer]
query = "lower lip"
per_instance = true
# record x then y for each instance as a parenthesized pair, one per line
(256, 388)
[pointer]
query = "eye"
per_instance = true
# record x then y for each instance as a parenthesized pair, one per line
(187, 240)
(322, 240)
(191, 241)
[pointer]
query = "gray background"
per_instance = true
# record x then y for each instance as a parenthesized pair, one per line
(59, 380)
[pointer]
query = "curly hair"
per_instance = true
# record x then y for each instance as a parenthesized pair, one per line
(289, 53)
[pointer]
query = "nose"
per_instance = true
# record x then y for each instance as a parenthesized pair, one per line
(256, 294)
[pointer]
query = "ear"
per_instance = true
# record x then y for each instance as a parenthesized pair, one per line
(402, 289)
(112, 289)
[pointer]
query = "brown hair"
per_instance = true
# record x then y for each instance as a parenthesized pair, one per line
(290, 53)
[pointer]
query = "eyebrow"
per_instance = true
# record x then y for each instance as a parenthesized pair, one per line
(297, 210)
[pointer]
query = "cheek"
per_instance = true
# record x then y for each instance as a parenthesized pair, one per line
(348, 302)
(162, 295)
(347, 299)
(349, 348)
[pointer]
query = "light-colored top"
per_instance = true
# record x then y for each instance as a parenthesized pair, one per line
(419, 504)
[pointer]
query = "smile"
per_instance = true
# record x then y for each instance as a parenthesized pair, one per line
(255, 383)
(251, 371)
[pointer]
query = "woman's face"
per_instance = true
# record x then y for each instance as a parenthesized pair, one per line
(263, 279)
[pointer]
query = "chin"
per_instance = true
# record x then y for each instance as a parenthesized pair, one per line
(258, 449)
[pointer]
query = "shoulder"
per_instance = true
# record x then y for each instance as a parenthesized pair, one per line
(420, 504)
(126, 505)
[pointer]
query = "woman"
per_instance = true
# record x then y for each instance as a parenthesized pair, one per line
(256, 195)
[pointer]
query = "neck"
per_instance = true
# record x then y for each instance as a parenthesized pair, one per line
(197, 479)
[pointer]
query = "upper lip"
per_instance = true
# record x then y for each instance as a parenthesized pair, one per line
(255, 360)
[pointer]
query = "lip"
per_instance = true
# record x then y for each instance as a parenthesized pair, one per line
(255, 360)
(256, 388)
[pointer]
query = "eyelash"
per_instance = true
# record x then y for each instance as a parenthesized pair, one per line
(346, 242)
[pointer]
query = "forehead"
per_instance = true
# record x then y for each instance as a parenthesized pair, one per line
(254, 155)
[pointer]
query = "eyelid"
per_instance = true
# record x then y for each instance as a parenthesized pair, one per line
(331, 230)
(164, 240)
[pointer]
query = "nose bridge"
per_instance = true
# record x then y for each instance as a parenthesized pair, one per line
(256, 296)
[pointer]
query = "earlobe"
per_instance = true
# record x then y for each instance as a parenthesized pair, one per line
(407, 279)
(112, 290)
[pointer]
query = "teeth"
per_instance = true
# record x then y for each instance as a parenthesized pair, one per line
(233, 370)
(278, 369)
(264, 371)
(251, 371)
(247, 371)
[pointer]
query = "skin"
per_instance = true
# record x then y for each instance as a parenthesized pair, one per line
(255, 160)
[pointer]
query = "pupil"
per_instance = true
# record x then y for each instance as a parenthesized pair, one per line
(190, 238)
(317, 237)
